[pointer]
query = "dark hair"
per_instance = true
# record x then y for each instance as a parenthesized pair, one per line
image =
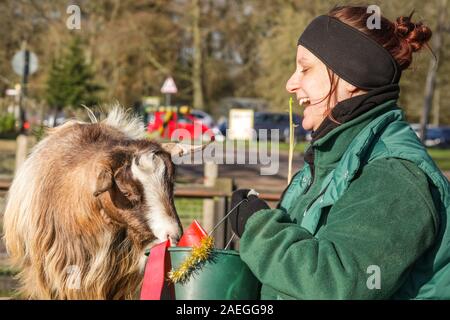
(400, 38)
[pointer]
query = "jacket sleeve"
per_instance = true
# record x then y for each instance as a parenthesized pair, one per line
(384, 222)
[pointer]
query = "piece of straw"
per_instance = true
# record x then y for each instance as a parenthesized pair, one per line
(291, 140)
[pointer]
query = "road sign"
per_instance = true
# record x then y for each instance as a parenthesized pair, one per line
(12, 92)
(169, 86)
(240, 124)
(19, 60)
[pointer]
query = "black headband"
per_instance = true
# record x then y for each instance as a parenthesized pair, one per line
(351, 54)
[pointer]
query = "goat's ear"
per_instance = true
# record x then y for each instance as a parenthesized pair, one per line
(181, 149)
(124, 181)
(104, 182)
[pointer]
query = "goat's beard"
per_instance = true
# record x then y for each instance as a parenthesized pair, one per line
(109, 269)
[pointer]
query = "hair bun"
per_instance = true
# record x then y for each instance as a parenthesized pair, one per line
(415, 34)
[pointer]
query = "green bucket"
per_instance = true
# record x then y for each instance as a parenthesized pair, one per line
(224, 276)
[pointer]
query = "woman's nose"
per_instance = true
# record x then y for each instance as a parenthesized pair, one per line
(293, 84)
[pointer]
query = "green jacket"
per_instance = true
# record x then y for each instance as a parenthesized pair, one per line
(372, 224)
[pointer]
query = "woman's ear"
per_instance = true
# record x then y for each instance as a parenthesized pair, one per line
(353, 90)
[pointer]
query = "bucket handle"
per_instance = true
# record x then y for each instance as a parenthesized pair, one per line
(251, 192)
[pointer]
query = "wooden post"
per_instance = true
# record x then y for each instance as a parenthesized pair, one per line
(21, 150)
(221, 235)
(211, 171)
(220, 207)
(23, 145)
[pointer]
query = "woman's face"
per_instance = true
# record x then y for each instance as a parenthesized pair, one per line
(311, 84)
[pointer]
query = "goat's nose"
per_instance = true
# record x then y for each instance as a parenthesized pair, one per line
(173, 239)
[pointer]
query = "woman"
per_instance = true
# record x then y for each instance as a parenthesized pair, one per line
(366, 218)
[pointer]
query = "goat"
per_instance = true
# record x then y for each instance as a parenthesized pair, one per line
(86, 204)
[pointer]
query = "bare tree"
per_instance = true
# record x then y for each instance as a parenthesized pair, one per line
(197, 82)
(438, 39)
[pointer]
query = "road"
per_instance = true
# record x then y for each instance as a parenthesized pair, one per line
(247, 175)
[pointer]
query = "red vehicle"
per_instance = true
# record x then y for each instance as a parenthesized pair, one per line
(179, 126)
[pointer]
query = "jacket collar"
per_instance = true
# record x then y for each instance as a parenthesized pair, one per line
(330, 148)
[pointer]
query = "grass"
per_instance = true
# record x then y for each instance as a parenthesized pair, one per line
(441, 157)
(188, 210)
(298, 147)
(7, 163)
(7, 272)
(7, 294)
(7, 286)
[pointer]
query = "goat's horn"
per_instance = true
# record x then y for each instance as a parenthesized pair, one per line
(181, 149)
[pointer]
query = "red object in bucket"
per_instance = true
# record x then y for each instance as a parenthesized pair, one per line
(158, 264)
(192, 236)
(154, 286)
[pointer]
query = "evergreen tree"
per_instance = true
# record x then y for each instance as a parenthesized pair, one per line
(70, 81)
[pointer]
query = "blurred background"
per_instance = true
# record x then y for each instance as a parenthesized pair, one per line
(181, 63)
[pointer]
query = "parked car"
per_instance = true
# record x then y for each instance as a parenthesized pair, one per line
(204, 117)
(54, 119)
(222, 125)
(436, 136)
(208, 121)
(168, 122)
(267, 120)
(280, 121)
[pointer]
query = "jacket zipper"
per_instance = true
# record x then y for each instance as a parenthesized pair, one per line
(315, 199)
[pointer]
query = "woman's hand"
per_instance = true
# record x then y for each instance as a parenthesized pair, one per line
(247, 205)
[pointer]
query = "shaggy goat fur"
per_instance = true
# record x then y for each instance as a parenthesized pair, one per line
(79, 216)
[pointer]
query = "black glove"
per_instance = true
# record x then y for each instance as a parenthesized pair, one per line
(238, 218)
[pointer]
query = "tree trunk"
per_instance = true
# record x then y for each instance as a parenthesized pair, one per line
(197, 63)
(430, 84)
(437, 107)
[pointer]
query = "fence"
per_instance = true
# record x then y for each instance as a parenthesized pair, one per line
(214, 194)
(216, 203)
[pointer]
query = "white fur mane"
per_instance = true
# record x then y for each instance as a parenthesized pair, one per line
(125, 121)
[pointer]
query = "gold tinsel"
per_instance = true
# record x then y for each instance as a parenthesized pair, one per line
(198, 255)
